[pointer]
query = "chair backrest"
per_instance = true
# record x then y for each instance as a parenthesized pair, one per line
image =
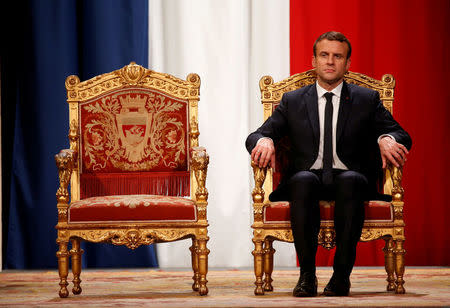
(271, 94)
(132, 129)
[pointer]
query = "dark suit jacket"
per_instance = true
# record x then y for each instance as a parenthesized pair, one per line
(362, 118)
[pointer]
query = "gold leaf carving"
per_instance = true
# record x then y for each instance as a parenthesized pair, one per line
(327, 238)
(259, 175)
(199, 163)
(65, 161)
(371, 234)
(132, 73)
(194, 132)
(131, 238)
(282, 235)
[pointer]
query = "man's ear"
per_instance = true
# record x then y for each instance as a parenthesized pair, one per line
(313, 61)
(347, 66)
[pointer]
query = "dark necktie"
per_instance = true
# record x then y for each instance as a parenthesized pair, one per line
(327, 172)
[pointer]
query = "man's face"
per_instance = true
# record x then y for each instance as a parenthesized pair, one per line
(330, 62)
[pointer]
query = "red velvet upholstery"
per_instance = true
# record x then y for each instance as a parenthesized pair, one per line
(130, 131)
(132, 208)
(374, 210)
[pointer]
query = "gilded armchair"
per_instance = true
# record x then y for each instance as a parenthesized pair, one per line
(133, 161)
(384, 220)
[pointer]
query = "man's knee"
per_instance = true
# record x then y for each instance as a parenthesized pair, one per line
(351, 182)
(303, 186)
(304, 178)
(350, 177)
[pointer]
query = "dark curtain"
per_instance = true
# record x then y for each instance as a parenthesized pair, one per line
(43, 42)
(410, 40)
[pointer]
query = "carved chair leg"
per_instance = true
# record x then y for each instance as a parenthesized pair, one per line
(63, 268)
(399, 253)
(194, 255)
(202, 253)
(268, 264)
(258, 264)
(389, 263)
(76, 253)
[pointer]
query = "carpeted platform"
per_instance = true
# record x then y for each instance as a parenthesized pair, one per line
(425, 286)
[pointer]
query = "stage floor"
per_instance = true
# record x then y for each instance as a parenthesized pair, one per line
(425, 287)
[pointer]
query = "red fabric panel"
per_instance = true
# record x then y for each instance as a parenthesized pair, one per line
(132, 208)
(374, 210)
(410, 40)
(277, 212)
(149, 183)
(133, 129)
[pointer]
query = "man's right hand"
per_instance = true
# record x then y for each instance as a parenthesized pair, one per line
(264, 152)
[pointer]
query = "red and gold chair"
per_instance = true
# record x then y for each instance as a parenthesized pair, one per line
(136, 172)
(272, 219)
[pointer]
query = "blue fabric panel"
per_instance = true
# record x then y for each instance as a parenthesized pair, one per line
(57, 39)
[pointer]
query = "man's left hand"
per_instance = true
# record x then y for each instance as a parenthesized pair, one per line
(392, 151)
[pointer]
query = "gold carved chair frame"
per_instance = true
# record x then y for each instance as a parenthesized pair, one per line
(130, 234)
(265, 233)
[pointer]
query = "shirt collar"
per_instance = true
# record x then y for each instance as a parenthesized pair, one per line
(336, 91)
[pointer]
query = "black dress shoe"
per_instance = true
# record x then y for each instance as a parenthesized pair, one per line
(337, 286)
(306, 286)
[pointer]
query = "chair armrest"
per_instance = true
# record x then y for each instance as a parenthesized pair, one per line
(259, 174)
(199, 163)
(65, 161)
(396, 174)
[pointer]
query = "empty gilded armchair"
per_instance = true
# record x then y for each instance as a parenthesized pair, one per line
(136, 172)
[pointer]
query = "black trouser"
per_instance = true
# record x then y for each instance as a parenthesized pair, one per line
(349, 191)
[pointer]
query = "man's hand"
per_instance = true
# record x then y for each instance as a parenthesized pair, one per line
(264, 152)
(392, 151)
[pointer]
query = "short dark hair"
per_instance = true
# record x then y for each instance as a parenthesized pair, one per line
(333, 36)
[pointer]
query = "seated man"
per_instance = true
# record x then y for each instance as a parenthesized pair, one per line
(333, 127)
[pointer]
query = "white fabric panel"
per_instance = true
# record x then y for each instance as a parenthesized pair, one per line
(231, 45)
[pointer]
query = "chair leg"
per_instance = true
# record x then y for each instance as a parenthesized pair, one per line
(202, 265)
(194, 255)
(268, 265)
(76, 253)
(399, 253)
(389, 263)
(259, 265)
(63, 268)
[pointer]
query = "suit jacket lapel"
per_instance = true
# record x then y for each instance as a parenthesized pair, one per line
(313, 111)
(345, 106)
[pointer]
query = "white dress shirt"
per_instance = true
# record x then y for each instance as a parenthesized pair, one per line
(337, 164)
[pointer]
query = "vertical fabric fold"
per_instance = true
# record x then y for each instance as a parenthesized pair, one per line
(231, 45)
(58, 39)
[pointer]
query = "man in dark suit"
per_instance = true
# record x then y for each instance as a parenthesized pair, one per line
(333, 128)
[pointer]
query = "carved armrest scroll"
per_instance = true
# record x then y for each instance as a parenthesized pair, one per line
(65, 161)
(397, 195)
(259, 174)
(199, 163)
(396, 178)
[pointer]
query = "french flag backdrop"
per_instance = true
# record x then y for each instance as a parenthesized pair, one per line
(231, 44)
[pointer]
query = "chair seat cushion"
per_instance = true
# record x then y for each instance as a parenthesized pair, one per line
(132, 208)
(375, 211)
